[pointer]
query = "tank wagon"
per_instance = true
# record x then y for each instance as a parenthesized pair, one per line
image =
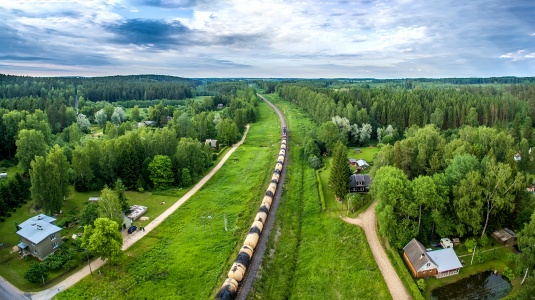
(237, 271)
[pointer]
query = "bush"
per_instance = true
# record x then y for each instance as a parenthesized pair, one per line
(470, 244)
(484, 241)
(8, 214)
(480, 257)
(510, 258)
(315, 162)
(2, 219)
(509, 274)
(36, 273)
(421, 284)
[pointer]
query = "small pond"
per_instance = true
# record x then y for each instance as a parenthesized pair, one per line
(482, 286)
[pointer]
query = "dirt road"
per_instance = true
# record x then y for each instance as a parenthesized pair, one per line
(130, 240)
(366, 221)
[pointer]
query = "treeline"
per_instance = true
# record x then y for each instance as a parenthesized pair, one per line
(432, 185)
(113, 88)
(447, 108)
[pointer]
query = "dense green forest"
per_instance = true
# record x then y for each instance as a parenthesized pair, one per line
(51, 136)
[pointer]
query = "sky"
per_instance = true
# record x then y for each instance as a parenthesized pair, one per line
(268, 39)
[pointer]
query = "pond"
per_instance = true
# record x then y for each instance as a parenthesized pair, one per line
(482, 286)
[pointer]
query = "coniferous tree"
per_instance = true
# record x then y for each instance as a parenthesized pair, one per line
(340, 171)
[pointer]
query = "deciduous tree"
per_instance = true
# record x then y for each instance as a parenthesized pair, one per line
(103, 239)
(30, 143)
(161, 172)
(109, 206)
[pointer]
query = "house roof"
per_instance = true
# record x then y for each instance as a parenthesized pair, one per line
(34, 219)
(356, 179)
(361, 162)
(417, 255)
(93, 199)
(38, 231)
(352, 160)
(445, 259)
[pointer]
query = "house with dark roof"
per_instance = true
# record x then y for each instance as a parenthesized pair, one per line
(353, 162)
(439, 263)
(39, 236)
(359, 183)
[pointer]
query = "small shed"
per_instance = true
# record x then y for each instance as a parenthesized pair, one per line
(93, 199)
(505, 236)
(3, 175)
(352, 161)
(357, 150)
(456, 242)
(220, 106)
(212, 143)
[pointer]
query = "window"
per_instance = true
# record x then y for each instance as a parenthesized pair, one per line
(54, 245)
(428, 264)
(35, 250)
(52, 236)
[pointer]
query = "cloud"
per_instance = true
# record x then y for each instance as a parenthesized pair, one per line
(518, 55)
(167, 3)
(158, 34)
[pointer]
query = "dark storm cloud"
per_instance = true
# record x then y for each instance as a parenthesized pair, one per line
(167, 3)
(157, 34)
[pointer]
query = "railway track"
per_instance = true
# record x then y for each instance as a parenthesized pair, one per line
(260, 250)
(242, 274)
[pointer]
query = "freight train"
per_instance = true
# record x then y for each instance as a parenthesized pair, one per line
(237, 272)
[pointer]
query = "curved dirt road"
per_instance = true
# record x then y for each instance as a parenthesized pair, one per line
(366, 221)
(74, 278)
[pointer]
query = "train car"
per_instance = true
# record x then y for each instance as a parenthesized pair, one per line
(254, 234)
(275, 178)
(268, 200)
(280, 159)
(282, 152)
(228, 290)
(271, 189)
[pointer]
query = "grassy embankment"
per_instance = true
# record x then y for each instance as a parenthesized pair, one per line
(180, 259)
(312, 254)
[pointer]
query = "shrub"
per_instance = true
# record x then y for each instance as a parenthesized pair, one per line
(510, 258)
(421, 284)
(315, 162)
(2, 219)
(8, 214)
(484, 241)
(509, 274)
(36, 273)
(480, 257)
(470, 244)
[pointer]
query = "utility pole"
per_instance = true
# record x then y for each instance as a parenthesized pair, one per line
(88, 263)
(210, 218)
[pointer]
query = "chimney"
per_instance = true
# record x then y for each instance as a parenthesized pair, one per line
(39, 217)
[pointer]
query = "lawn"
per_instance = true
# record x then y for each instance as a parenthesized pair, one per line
(313, 255)
(181, 258)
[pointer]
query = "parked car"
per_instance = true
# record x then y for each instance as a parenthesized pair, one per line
(132, 229)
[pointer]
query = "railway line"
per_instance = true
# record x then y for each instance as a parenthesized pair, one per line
(242, 274)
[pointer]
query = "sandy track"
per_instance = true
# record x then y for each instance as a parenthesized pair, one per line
(133, 238)
(366, 221)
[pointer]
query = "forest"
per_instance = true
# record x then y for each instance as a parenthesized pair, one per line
(67, 128)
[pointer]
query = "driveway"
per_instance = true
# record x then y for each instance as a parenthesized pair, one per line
(366, 221)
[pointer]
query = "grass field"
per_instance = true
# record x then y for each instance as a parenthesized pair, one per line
(313, 255)
(180, 259)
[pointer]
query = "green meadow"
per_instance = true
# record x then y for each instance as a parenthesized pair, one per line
(188, 256)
